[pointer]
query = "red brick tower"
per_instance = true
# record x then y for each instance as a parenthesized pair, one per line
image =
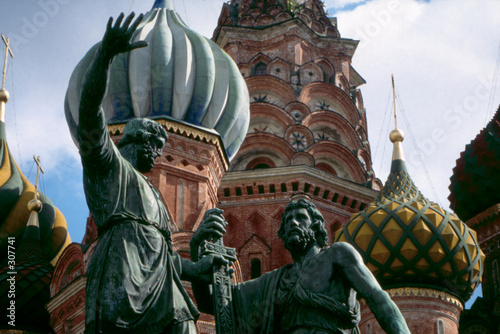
(308, 128)
(475, 198)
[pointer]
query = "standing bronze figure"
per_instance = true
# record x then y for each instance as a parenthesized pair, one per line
(134, 276)
(314, 295)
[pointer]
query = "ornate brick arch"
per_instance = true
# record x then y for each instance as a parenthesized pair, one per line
(69, 266)
(341, 154)
(327, 67)
(305, 132)
(337, 122)
(311, 72)
(271, 84)
(260, 161)
(342, 82)
(270, 114)
(325, 90)
(298, 110)
(254, 248)
(263, 144)
(279, 68)
(362, 154)
(259, 58)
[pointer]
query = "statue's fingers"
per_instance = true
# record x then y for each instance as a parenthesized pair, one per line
(127, 21)
(110, 24)
(212, 218)
(211, 233)
(220, 260)
(138, 45)
(217, 226)
(214, 211)
(119, 20)
(136, 22)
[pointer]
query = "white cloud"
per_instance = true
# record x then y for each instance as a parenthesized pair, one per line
(339, 4)
(442, 55)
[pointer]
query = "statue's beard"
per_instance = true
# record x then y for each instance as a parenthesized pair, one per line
(299, 240)
(141, 156)
(145, 159)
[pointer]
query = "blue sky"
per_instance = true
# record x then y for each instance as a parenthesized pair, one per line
(443, 54)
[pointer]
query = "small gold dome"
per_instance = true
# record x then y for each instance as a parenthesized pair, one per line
(396, 135)
(4, 95)
(35, 205)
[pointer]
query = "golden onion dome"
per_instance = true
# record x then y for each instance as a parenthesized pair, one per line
(407, 240)
(16, 193)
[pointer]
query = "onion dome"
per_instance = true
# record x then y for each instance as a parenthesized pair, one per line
(25, 279)
(15, 193)
(408, 241)
(180, 75)
(476, 177)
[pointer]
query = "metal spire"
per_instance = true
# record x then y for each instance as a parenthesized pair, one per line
(4, 95)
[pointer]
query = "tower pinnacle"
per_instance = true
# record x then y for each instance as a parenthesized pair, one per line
(396, 136)
(4, 95)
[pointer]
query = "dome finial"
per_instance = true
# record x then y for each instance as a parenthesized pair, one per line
(167, 4)
(396, 136)
(35, 205)
(4, 95)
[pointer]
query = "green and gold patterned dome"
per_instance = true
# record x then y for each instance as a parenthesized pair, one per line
(407, 240)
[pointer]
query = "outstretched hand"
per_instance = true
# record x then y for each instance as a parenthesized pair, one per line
(118, 37)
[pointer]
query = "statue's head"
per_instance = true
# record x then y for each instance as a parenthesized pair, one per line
(301, 225)
(142, 141)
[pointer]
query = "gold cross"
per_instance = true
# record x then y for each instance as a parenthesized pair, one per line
(8, 51)
(38, 169)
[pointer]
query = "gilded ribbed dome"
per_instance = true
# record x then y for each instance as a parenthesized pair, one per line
(180, 75)
(33, 233)
(15, 194)
(407, 240)
(476, 177)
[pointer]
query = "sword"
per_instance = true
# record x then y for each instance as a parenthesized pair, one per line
(221, 285)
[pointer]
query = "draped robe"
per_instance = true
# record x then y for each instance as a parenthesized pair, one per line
(133, 282)
(316, 299)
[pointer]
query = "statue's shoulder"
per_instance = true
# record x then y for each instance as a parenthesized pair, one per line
(344, 253)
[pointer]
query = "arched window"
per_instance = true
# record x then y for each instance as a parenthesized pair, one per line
(255, 268)
(180, 205)
(261, 166)
(440, 326)
(368, 328)
(260, 163)
(261, 69)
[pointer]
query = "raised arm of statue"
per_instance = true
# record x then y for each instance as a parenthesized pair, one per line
(362, 280)
(117, 39)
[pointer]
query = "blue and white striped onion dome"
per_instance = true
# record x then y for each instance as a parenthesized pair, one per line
(180, 75)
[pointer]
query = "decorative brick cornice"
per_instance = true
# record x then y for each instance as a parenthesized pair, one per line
(485, 215)
(423, 292)
(63, 296)
(184, 130)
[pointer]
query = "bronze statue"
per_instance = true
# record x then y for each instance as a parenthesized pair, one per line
(133, 279)
(315, 294)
